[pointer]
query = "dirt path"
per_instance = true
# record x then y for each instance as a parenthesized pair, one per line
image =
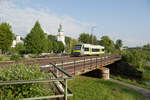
(144, 91)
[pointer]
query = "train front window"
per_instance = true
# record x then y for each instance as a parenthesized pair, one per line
(77, 47)
(86, 49)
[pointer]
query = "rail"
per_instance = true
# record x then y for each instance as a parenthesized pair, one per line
(55, 80)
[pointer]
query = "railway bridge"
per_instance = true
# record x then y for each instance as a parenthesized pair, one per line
(64, 68)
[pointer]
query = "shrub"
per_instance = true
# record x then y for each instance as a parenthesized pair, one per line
(15, 57)
(22, 72)
(135, 57)
(20, 48)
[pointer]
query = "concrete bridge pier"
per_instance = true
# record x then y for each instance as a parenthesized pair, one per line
(104, 72)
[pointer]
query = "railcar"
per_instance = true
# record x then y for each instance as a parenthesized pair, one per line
(88, 50)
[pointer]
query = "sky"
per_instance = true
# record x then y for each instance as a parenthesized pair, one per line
(128, 20)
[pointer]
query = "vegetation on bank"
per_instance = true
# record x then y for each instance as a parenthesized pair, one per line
(86, 88)
(138, 59)
(22, 72)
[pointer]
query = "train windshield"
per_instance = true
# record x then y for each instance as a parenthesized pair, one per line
(77, 47)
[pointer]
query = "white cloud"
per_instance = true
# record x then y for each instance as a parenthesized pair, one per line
(22, 20)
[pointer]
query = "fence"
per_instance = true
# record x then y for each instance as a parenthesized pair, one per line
(56, 79)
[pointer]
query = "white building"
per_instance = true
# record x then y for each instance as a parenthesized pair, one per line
(16, 40)
(60, 36)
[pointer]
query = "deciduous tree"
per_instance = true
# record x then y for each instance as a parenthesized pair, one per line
(84, 38)
(6, 37)
(55, 47)
(107, 43)
(72, 43)
(20, 48)
(52, 38)
(118, 44)
(60, 47)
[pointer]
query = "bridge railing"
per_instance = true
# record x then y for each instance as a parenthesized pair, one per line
(73, 66)
(55, 80)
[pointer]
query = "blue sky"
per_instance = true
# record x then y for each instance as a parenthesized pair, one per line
(128, 20)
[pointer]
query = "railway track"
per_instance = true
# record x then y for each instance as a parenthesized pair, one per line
(55, 60)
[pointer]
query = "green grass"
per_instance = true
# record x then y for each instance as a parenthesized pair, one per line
(86, 88)
(4, 58)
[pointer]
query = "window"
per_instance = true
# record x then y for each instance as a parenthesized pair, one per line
(77, 47)
(103, 49)
(95, 50)
(86, 49)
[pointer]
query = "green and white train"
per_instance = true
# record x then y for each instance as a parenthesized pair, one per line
(88, 49)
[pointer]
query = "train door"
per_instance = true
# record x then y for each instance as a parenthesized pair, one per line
(90, 51)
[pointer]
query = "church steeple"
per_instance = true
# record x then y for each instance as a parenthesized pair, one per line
(60, 36)
(60, 29)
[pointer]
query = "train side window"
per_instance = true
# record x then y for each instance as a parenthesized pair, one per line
(86, 49)
(95, 50)
(103, 49)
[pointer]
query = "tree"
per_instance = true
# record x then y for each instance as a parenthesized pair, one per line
(36, 41)
(118, 44)
(67, 40)
(55, 47)
(49, 46)
(135, 57)
(147, 46)
(84, 38)
(93, 39)
(20, 48)
(67, 46)
(6, 37)
(107, 43)
(52, 38)
(72, 43)
(60, 47)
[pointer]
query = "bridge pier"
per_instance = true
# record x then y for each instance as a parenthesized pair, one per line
(104, 72)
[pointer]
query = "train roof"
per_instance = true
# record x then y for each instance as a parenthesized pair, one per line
(93, 46)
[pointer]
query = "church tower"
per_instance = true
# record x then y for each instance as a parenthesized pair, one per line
(60, 36)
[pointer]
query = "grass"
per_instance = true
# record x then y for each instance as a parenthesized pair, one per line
(86, 88)
(4, 58)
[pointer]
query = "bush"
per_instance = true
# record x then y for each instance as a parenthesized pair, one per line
(22, 72)
(135, 57)
(20, 48)
(15, 57)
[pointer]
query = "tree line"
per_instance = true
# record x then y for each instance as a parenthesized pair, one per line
(105, 41)
(37, 41)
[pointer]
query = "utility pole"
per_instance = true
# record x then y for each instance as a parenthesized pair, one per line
(92, 29)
